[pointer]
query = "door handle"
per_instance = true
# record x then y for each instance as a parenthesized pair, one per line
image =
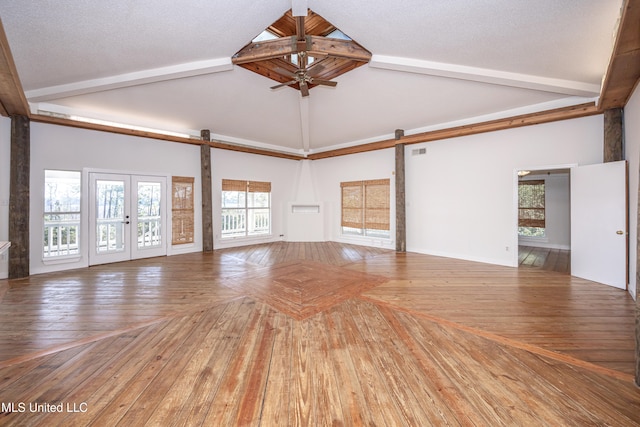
(620, 232)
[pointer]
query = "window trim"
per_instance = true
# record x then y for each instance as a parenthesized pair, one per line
(360, 215)
(69, 257)
(246, 186)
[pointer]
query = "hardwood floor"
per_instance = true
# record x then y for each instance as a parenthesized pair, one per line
(545, 259)
(315, 334)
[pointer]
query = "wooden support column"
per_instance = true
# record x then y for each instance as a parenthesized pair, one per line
(401, 217)
(613, 131)
(19, 197)
(207, 202)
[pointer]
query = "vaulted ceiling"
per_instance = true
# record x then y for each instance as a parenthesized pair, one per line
(168, 65)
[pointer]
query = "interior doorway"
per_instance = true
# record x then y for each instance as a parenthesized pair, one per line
(544, 219)
(596, 223)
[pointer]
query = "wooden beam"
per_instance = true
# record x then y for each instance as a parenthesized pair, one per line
(159, 136)
(12, 98)
(623, 72)
(337, 47)
(268, 49)
(207, 196)
(564, 113)
(19, 197)
(363, 148)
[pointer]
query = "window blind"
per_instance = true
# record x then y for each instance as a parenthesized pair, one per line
(531, 203)
(182, 227)
(365, 204)
(352, 204)
(249, 186)
(376, 204)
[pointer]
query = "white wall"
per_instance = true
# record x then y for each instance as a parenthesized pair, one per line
(461, 195)
(5, 168)
(331, 172)
(65, 148)
(632, 154)
(557, 213)
(281, 173)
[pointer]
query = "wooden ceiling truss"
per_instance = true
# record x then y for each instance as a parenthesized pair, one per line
(304, 36)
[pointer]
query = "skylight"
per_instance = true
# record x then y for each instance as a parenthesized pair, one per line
(265, 35)
(337, 34)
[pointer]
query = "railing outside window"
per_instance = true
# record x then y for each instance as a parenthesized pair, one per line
(61, 235)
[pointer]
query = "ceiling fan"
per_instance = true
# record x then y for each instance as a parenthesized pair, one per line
(304, 76)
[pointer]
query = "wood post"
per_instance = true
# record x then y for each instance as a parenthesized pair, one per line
(19, 197)
(207, 202)
(613, 131)
(401, 217)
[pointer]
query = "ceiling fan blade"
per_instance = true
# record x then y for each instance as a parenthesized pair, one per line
(323, 82)
(284, 72)
(304, 88)
(315, 68)
(284, 84)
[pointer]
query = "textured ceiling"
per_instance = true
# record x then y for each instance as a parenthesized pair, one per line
(166, 65)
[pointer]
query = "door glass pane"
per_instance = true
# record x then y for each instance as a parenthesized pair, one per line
(149, 220)
(110, 219)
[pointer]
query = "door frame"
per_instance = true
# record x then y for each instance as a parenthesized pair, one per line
(86, 202)
(514, 255)
(515, 180)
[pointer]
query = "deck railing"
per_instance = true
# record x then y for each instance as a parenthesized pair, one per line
(149, 232)
(61, 238)
(235, 222)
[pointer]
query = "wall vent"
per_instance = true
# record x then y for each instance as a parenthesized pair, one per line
(418, 151)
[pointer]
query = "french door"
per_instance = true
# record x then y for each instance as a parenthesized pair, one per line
(126, 217)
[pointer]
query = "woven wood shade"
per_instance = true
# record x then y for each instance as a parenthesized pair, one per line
(365, 204)
(182, 214)
(249, 186)
(352, 204)
(531, 203)
(234, 185)
(376, 204)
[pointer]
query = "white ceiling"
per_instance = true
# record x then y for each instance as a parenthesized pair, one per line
(166, 65)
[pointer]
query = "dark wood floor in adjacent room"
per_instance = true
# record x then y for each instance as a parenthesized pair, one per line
(297, 334)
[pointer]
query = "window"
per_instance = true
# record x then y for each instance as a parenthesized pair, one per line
(365, 208)
(61, 213)
(246, 208)
(531, 208)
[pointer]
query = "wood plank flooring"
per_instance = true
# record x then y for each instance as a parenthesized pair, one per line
(558, 260)
(246, 336)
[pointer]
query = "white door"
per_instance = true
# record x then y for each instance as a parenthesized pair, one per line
(599, 223)
(127, 217)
